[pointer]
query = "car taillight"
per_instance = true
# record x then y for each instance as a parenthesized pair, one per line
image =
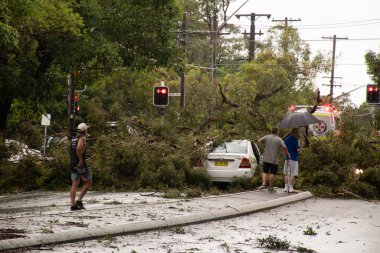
(245, 163)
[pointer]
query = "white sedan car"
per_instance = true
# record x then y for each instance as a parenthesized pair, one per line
(238, 158)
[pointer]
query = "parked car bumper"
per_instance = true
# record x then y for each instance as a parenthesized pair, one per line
(218, 175)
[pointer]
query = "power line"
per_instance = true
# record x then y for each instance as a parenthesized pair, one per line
(336, 26)
(291, 64)
(331, 25)
(357, 39)
(370, 21)
(313, 40)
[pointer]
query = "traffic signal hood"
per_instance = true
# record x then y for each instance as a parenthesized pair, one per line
(161, 95)
(373, 94)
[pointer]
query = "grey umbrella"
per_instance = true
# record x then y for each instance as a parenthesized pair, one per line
(297, 119)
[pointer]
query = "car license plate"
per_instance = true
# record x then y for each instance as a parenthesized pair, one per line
(221, 163)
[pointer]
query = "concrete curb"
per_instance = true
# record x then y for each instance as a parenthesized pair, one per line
(137, 227)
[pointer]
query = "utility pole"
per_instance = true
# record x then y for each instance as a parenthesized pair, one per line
(215, 31)
(71, 102)
(334, 85)
(214, 36)
(184, 26)
(286, 20)
(252, 42)
(334, 38)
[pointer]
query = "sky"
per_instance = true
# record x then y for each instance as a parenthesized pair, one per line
(359, 21)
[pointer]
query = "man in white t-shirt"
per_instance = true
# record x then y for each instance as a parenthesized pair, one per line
(272, 147)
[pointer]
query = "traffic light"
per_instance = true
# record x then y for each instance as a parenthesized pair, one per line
(161, 95)
(373, 94)
(76, 106)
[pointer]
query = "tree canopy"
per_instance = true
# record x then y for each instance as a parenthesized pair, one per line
(42, 41)
(120, 50)
(373, 64)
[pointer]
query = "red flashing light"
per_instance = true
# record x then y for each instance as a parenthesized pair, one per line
(161, 95)
(329, 108)
(292, 108)
(373, 94)
(162, 91)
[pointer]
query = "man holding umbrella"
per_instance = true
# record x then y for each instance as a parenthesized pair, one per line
(294, 120)
(291, 163)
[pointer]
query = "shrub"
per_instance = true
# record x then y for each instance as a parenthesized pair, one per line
(55, 174)
(193, 193)
(360, 188)
(173, 194)
(20, 176)
(4, 151)
(105, 178)
(325, 177)
(322, 190)
(241, 183)
(272, 242)
(198, 177)
(169, 176)
(372, 177)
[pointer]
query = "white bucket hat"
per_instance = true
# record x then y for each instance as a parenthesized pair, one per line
(82, 127)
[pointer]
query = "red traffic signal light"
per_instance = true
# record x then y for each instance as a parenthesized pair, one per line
(76, 106)
(373, 94)
(161, 95)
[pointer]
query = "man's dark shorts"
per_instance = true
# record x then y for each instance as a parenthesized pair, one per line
(270, 168)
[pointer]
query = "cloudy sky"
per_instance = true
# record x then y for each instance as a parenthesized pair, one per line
(359, 21)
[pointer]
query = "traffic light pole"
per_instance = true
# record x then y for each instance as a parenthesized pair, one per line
(184, 26)
(71, 102)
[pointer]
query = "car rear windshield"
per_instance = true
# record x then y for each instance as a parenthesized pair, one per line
(231, 147)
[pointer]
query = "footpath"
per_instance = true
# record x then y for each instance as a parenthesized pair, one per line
(41, 218)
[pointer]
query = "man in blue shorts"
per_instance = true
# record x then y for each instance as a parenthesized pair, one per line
(272, 147)
(78, 167)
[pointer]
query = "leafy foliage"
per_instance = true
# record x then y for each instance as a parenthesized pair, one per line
(46, 40)
(309, 231)
(330, 164)
(272, 242)
(120, 54)
(373, 63)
